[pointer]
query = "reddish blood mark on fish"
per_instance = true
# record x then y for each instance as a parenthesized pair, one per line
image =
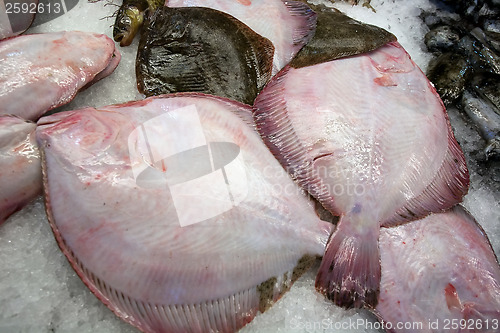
(245, 2)
(385, 81)
(451, 295)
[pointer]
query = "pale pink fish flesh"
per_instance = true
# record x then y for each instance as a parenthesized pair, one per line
(368, 137)
(43, 71)
(116, 208)
(20, 169)
(439, 274)
(289, 25)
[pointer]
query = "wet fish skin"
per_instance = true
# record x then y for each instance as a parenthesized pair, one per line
(125, 241)
(442, 38)
(376, 152)
(450, 73)
(488, 84)
(486, 116)
(192, 49)
(333, 38)
(438, 269)
(289, 25)
(43, 71)
(130, 18)
(20, 168)
(479, 54)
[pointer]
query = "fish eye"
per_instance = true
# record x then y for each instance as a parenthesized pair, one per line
(126, 20)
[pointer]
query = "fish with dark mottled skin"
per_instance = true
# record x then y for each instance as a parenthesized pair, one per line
(486, 116)
(289, 25)
(194, 49)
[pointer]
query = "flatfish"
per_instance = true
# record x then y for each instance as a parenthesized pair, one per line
(40, 72)
(202, 50)
(20, 169)
(367, 135)
(289, 25)
(439, 274)
(174, 213)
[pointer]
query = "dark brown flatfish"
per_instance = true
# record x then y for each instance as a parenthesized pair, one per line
(337, 36)
(202, 50)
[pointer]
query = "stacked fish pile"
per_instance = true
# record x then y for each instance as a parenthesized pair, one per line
(175, 211)
(466, 71)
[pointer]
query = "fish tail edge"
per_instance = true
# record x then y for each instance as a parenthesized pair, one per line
(350, 271)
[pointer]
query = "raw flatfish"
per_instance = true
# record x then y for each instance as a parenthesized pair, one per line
(174, 213)
(40, 72)
(202, 50)
(367, 136)
(20, 169)
(289, 25)
(338, 36)
(439, 274)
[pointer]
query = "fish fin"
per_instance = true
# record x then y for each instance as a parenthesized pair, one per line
(303, 34)
(448, 187)
(452, 299)
(350, 271)
(470, 311)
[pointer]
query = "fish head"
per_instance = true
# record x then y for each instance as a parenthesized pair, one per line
(128, 21)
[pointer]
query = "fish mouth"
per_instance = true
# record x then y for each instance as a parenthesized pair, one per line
(125, 38)
(127, 24)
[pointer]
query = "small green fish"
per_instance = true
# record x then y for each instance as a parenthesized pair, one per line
(130, 18)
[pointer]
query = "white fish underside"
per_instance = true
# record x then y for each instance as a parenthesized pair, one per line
(20, 169)
(40, 72)
(369, 138)
(437, 273)
(126, 242)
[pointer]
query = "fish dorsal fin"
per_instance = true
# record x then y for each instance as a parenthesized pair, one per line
(450, 185)
(303, 34)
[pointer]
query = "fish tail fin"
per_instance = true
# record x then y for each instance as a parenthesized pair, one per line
(350, 271)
